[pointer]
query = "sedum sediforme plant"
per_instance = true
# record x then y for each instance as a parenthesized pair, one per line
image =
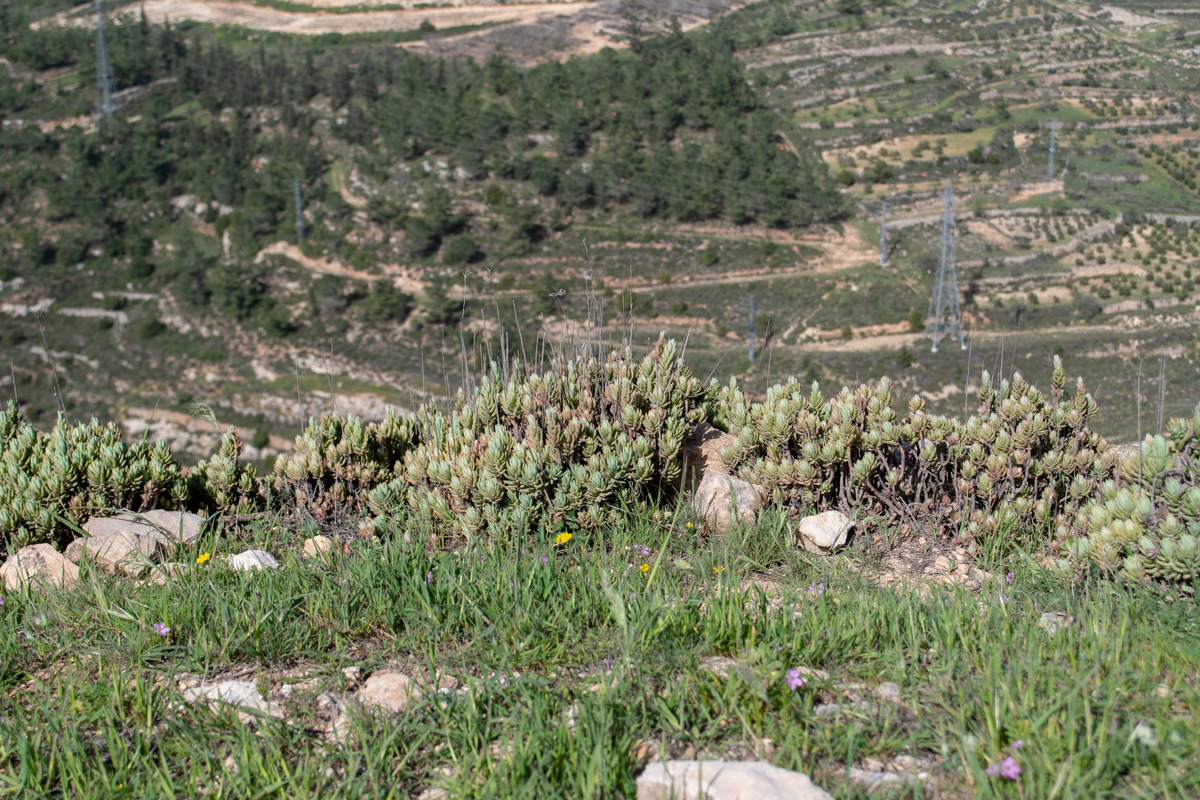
(338, 461)
(74, 472)
(223, 484)
(571, 444)
(1022, 459)
(1145, 524)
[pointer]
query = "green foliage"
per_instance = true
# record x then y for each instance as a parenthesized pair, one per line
(327, 295)
(709, 256)
(572, 445)
(440, 308)
(223, 484)
(877, 171)
(73, 472)
(1022, 460)
(337, 461)
(1145, 523)
(461, 249)
(385, 303)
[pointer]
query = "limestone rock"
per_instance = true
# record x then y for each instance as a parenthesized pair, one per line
(723, 667)
(317, 546)
(1054, 621)
(723, 500)
(808, 673)
(252, 560)
(242, 694)
(177, 526)
(824, 533)
(701, 454)
(162, 573)
(38, 564)
(128, 552)
(889, 693)
(725, 780)
(843, 707)
(389, 691)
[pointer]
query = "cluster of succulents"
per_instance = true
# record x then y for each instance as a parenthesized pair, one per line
(569, 445)
(223, 484)
(1022, 459)
(1145, 524)
(337, 461)
(48, 480)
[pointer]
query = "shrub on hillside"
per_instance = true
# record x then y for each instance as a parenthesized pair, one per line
(1022, 460)
(572, 445)
(1145, 524)
(73, 472)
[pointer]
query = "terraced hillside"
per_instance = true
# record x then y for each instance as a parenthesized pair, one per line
(454, 210)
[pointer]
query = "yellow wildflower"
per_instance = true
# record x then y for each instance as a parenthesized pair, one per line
(563, 538)
(718, 569)
(689, 524)
(645, 568)
(200, 559)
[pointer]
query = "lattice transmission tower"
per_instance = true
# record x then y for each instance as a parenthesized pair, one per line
(752, 342)
(883, 234)
(1053, 144)
(104, 76)
(299, 212)
(945, 318)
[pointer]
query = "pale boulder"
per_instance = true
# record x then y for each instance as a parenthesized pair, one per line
(242, 695)
(127, 552)
(389, 691)
(701, 454)
(722, 500)
(177, 526)
(823, 533)
(38, 565)
(725, 780)
(252, 560)
(318, 546)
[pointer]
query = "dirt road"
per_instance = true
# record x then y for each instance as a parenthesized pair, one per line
(223, 12)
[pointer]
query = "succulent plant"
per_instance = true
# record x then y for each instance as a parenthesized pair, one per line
(1022, 459)
(222, 483)
(569, 445)
(1145, 523)
(337, 461)
(74, 472)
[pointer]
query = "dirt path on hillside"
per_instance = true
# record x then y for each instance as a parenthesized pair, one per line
(224, 12)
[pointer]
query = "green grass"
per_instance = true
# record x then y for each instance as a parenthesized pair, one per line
(92, 709)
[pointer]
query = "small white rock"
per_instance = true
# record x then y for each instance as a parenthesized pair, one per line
(1144, 733)
(390, 691)
(252, 560)
(36, 565)
(723, 500)
(724, 780)
(1054, 621)
(888, 692)
(824, 533)
(317, 546)
(242, 694)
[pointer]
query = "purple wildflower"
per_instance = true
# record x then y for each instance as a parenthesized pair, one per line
(545, 558)
(161, 628)
(1017, 745)
(1009, 577)
(816, 589)
(429, 577)
(1008, 768)
(794, 681)
(1, 599)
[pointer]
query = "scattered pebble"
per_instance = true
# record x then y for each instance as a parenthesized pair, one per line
(252, 560)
